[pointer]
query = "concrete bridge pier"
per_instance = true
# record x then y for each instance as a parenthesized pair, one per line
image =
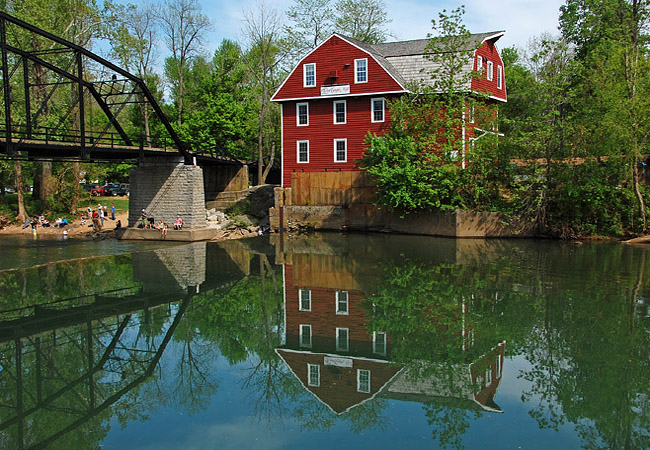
(165, 187)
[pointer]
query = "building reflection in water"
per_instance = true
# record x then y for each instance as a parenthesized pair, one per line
(333, 348)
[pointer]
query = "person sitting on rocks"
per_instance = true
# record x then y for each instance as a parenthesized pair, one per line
(163, 229)
(179, 223)
(143, 219)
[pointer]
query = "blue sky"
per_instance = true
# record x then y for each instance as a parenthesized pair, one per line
(411, 19)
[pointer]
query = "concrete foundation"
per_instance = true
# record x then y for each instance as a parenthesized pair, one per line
(189, 235)
(345, 201)
(165, 187)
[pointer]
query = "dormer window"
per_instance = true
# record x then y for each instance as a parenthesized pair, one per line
(309, 74)
(490, 70)
(361, 70)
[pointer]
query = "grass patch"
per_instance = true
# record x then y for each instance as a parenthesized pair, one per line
(34, 207)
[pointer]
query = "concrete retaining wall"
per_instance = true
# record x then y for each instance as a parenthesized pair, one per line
(165, 188)
(344, 201)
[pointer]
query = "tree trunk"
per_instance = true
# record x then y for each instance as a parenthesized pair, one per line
(269, 165)
(22, 214)
(42, 180)
(76, 167)
(260, 137)
(639, 196)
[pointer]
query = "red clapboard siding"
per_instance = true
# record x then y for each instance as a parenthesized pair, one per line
(338, 55)
(324, 321)
(322, 131)
(489, 52)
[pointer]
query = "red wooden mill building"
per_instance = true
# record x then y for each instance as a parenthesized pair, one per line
(337, 94)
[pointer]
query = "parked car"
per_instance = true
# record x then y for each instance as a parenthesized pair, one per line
(98, 191)
(10, 190)
(123, 189)
(111, 189)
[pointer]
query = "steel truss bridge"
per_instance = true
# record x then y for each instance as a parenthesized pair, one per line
(62, 102)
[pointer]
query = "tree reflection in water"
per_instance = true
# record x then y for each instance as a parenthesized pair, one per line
(392, 320)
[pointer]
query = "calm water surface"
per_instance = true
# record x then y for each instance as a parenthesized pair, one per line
(352, 341)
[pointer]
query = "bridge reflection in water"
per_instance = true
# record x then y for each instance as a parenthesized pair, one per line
(88, 332)
(359, 336)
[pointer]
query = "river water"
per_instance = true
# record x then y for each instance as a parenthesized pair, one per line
(350, 341)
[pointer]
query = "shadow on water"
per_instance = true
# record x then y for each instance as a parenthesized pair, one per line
(331, 331)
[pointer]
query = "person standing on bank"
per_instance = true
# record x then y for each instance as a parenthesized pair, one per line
(112, 211)
(100, 211)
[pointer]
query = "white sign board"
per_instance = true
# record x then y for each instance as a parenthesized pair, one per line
(338, 362)
(335, 90)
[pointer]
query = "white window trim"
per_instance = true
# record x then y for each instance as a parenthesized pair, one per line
(359, 381)
(347, 340)
(488, 376)
(310, 336)
(304, 75)
(472, 112)
(374, 343)
(499, 76)
(498, 366)
(372, 109)
(479, 64)
(345, 112)
(309, 368)
(356, 80)
(336, 141)
(298, 153)
(490, 70)
(347, 304)
(298, 105)
(300, 291)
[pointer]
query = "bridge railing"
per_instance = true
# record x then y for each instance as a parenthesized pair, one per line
(92, 139)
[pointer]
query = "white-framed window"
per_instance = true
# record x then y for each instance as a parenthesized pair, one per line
(342, 303)
(490, 70)
(303, 151)
(304, 299)
(313, 375)
(479, 64)
(340, 111)
(471, 112)
(498, 366)
(361, 70)
(342, 339)
(340, 150)
(499, 76)
(363, 381)
(305, 335)
(302, 114)
(488, 376)
(379, 342)
(309, 75)
(377, 106)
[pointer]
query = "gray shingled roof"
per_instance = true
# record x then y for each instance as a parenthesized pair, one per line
(418, 46)
(405, 60)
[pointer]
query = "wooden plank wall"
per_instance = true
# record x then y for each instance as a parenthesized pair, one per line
(332, 188)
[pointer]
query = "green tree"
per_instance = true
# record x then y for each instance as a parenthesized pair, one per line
(183, 26)
(312, 23)
(364, 20)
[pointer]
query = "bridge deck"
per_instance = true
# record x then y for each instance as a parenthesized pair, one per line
(38, 149)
